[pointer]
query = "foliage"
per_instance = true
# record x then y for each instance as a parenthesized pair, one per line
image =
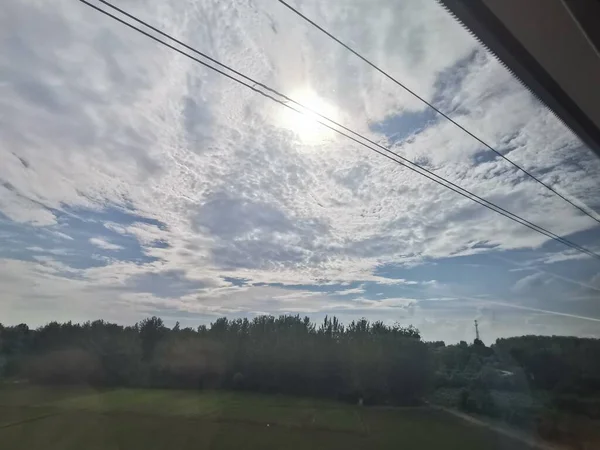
(287, 354)
(549, 384)
(529, 381)
(556, 363)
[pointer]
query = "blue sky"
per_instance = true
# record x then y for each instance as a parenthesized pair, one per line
(134, 182)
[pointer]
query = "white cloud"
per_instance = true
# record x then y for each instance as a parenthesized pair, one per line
(567, 255)
(594, 285)
(351, 291)
(104, 245)
(53, 251)
(61, 235)
(530, 281)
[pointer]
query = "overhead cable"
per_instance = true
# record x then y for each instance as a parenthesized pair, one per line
(445, 116)
(403, 161)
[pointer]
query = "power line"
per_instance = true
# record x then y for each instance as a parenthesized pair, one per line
(407, 161)
(417, 96)
(408, 164)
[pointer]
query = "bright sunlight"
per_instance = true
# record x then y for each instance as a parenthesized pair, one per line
(305, 123)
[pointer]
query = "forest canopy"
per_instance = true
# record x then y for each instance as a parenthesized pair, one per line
(370, 362)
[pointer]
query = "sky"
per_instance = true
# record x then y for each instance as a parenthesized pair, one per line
(136, 182)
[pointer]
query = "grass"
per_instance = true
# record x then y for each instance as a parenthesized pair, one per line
(42, 418)
(451, 397)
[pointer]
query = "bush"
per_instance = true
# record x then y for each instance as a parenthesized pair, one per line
(67, 366)
(478, 400)
(189, 362)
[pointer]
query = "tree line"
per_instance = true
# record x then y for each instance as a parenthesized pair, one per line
(372, 361)
(549, 385)
(560, 365)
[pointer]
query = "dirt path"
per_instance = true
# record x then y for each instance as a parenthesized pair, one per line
(518, 435)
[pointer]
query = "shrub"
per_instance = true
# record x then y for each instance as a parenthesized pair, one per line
(67, 366)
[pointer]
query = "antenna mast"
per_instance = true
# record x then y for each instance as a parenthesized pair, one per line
(476, 331)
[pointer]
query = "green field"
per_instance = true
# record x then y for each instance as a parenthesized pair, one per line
(83, 418)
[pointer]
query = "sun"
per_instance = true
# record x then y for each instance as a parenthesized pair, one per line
(305, 124)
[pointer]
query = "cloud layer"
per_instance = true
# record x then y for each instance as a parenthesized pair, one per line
(134, 181)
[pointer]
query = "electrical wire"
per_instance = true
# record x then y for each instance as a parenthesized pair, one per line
(408, 164)
(414, 94)
(256, 83)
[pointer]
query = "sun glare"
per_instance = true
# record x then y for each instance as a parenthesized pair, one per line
(305, 123)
